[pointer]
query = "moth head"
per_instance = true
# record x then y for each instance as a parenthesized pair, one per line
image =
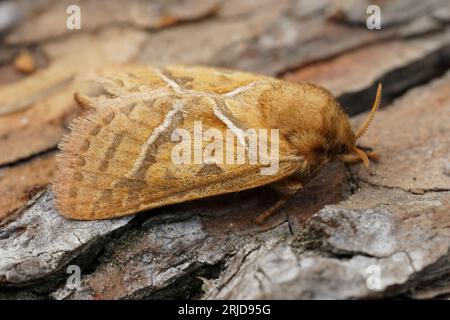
(352, 147)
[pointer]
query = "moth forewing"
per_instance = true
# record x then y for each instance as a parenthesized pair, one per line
(119, 158)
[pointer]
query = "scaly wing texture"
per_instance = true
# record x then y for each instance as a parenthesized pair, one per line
(118, 158)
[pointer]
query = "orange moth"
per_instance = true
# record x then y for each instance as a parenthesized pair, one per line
(121, 155)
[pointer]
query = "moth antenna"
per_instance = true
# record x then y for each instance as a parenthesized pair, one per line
(362, 155)
(360, 132)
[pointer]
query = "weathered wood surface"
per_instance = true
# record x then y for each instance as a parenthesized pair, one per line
(395, 216)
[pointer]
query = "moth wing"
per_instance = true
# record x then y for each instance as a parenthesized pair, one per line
(103, 145)
(119, 160)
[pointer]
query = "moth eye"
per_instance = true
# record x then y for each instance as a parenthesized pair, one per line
(320, 149)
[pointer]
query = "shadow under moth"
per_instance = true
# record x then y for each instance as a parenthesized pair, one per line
(119, 157)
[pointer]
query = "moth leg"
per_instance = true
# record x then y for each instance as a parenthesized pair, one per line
(286, 188)
(271, 211)
(84, 101)
(353, 158)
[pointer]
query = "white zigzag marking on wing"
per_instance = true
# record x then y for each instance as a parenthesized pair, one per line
(239, 133)
(176, 107)
(238, 90)
(169, 82)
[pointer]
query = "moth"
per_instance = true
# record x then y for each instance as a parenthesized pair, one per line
(118, 158)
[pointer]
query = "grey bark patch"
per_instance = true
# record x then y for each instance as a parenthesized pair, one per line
(446, 168)
(40, 241)
(354, 243)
